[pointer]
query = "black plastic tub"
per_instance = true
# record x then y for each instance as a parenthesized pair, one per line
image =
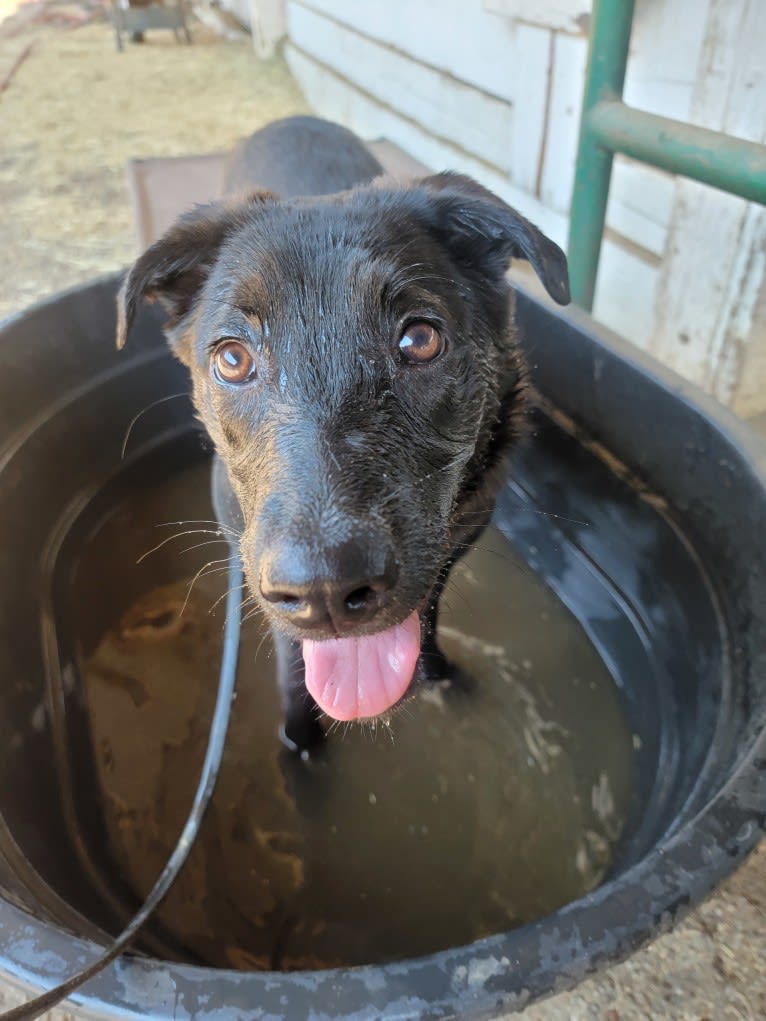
(641, 505)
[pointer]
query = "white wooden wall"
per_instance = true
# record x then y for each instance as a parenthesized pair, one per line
(493, 88)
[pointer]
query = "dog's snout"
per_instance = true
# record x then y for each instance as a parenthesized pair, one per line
(333, 589)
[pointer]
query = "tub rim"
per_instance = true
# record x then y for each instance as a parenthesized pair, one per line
(503, 972)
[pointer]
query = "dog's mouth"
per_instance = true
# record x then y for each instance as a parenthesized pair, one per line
(355, 678)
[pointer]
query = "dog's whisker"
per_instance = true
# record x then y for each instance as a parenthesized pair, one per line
(506, 557)
(561, 517)
(225, 595)
(404, 709)
(212, 525)
(264, 638)
(135, 419)
(218, 525)
(400, 709)
(423, 478)
(248, 616)
(177, 535)
(207, 542)
(254, 611)
(479, 547)
(211, 563)
(247, 602)
(535, 510)
(445, 602)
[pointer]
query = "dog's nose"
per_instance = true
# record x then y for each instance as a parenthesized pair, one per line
(338, 588)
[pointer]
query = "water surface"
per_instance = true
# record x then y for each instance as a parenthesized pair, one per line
(479, 807)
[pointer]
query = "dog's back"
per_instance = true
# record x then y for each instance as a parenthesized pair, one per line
(300, 156)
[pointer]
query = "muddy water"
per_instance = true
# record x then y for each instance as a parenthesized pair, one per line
(480, 807)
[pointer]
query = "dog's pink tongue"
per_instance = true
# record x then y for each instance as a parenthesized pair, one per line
(350, 678)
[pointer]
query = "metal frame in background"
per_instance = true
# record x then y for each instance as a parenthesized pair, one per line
(133, 20)
(610, 126)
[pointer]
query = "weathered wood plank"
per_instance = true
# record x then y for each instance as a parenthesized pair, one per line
(713, 273)
(563, 15)
(448, 108)
(331, 96)
(454, 35)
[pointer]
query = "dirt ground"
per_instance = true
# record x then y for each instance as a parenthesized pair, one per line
(72, 112)
(76, 110)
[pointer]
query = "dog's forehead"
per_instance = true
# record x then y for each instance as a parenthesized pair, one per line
(294, 253)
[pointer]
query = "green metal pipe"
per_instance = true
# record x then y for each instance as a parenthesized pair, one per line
(720, 160)
(604, 78)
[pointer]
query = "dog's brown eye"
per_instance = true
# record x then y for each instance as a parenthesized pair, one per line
(421, 342)
(233, 363)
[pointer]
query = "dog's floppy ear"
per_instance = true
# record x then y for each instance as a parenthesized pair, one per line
(174, 268)
(484, 233)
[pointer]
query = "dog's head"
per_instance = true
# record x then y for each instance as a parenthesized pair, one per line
(353, 360)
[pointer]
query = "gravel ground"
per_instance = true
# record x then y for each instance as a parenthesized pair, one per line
(72, 114)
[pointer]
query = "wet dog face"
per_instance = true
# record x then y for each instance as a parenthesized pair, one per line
(353, 359)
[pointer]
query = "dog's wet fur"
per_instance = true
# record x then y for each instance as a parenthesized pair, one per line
(354, 476)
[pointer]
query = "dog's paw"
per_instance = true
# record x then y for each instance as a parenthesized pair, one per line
(433, 666)
(302, 735)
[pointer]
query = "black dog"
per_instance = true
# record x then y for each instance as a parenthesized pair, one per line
(355, 362)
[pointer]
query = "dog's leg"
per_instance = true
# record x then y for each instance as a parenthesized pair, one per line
(433, 665)
(300, 728)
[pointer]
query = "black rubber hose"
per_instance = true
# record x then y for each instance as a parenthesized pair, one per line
(206, 786)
